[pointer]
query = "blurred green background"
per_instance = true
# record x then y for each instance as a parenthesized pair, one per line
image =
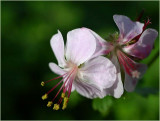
(25, 45)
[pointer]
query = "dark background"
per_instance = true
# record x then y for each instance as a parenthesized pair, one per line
(25, 45)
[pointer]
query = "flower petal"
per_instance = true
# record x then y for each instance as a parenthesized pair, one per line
(128, 29)
(117, 89)
(133, 71)
(56, 69)
(73, 88)
(99, 72)
(81, 45)
(130, 82)
(87, 90)
(142, 48)
(57, 45)
(102, 47)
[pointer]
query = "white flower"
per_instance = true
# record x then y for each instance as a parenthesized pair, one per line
(89, 77)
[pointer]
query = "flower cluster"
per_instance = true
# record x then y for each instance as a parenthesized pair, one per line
(83, 68)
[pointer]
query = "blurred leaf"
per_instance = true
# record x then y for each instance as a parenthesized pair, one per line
(136, 107)
(102, 105)
(146, 91)
(151, 77)
(74, 99)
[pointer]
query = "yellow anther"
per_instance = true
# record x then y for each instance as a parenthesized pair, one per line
(49, 103)
(65, 103)
(64, 106)
(42, 83)
(65, 99)
(56, 107)
(45, 96)
(63, 95)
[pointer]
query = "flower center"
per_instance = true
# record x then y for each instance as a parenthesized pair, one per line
(68, 78)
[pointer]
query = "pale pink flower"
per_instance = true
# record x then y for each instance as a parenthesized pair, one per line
(133, 42)
(88, 77)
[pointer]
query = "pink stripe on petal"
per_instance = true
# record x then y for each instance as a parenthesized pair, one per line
(128, 29)
(142, 48)
(130, 77)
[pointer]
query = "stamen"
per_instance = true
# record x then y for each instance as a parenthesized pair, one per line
(67, 85)
(140, 15)
(42, 83)
(60, 100)
(129, 66)
(63, 95)
(128, 60)
(66, 99)
(63, 84)
(123, 63)
(65, 103)
(45, 96)
(70, 87)
(56, 107)
(55, 86)
(49, 103)
(146, 23)
(64, 106)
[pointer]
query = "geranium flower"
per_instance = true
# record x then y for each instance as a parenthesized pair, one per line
(88, 77)
(134, 41)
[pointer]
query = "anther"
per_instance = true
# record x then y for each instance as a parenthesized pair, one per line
(42, 83)
(65, 103)
(56, 107)
(64, 106)
(49, 103)
(63, 95)
(45, 96)
(65, 99)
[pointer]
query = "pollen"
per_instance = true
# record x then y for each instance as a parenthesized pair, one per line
(45, 96)
(65, 99)
(64, 106)
(63, 95)
(56, 107)
(42, 83)
(49, 103)
(65, 103)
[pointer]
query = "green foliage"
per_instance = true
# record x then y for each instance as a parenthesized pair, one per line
(136, 107)
(152, 75)
(102, 105)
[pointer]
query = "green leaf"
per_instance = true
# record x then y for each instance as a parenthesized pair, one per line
(102, 105)
(151, 77)
(136, 107)
(75, 99)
